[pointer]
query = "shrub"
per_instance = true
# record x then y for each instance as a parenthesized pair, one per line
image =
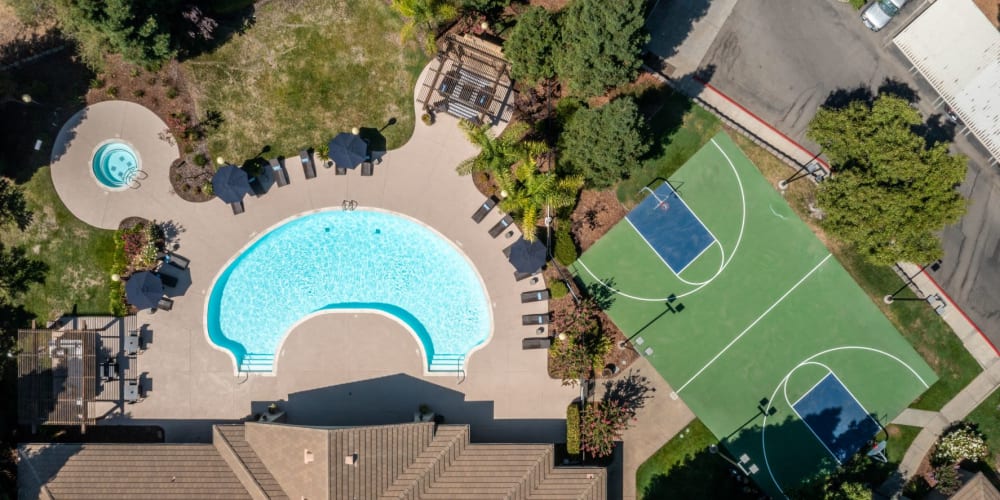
(558, 289)
(96, 83)
(200, 159)
(138, 92)
(605, 144)
(948, 481)
(603, 424)
(172, 92)
(427, 119)
(857, 4)
(118, 306)
(531, 44)
(323, 150)
(112, 92)
(565, 248)
(208, 189)
(573, 429)
(962, 443)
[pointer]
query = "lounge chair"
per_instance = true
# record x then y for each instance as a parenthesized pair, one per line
(341, 170)
(499, 227)
(535, 319)
(178, 261)
(168, 280)
(109, 370)
(133, 391)
(238, 207)
(278, 171)
(484, 209)
(534, 296)
(165, 304)
(536, 343)
(521, 276)
(367, 169)
(308, 166)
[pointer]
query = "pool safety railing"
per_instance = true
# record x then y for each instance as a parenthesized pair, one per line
(444, 363)
(132, 178)
(349, 205)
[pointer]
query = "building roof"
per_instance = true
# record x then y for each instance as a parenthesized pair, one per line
(125, 471)
(277, 461)
(56, 376)
(957, 50)
(977, 488)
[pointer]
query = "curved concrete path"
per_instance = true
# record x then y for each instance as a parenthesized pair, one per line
(334, 369)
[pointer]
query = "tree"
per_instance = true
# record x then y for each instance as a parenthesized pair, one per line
(849, 491)
(530, 46)
(495, 153)
(527, 193)
(891, 192)
(130, 28)
(606, 143)
(603, 424)
(424, 16)
(601, 44)
(585, 345)
(13, 207)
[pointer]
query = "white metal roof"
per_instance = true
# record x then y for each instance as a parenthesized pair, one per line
(957, 50)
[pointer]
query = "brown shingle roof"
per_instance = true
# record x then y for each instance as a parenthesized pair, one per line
(977, 488)
(125, 471)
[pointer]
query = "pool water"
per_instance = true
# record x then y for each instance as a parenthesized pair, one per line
(115, 164)
(349, 260)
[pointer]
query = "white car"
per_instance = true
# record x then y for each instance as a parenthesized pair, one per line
(880, 12)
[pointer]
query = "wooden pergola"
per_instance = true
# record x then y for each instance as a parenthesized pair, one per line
(56, 377)
(470, 80)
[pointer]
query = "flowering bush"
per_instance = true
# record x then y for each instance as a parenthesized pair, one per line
(603, 424)
(140, 245)
(962, 443)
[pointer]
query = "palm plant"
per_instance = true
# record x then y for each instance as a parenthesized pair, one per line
(424, 15)
(526, 192)
(495, 153)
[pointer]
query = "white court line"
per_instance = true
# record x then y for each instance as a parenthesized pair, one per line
(722, 267)
(784, 382)
(651, 247)
(747, 329)
(856, 400)
(703, 250)
(804, 394)
(828, 450)
(675, 194)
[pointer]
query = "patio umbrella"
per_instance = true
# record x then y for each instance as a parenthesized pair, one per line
(348, 150)
(230, 184)
(526, 257)
(143, 290)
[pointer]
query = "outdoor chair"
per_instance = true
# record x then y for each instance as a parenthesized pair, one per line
(367, 169)
(499, 227)
(165, 304)
(109, 370)
(278, 171)
(133, 391)
(534, 296)
(518, 276)
(238, 207)
(536, 343)
(178, 261)
(308, 165)
(535, 319)
(484, 209)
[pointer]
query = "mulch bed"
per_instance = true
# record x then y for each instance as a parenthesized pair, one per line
(595, 214)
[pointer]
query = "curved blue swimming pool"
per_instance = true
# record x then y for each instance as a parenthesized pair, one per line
(115, 164)
(348, 260)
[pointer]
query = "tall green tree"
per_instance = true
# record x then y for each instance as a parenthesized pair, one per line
(423, 17)
(605, 144)
(531, 44)
(601, 44)
(137, 30)
(890, 192)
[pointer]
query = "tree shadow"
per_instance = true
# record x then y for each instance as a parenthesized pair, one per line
(842, 98)
(670, 23)
(899, 89)
(58, 85)
(18, 271)
(936, 129)
(631, 391)
(192, 21)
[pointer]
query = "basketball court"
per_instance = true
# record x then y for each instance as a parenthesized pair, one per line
(754, 323)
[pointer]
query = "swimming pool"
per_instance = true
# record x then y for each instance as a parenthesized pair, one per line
(336, 260)
(115, 165)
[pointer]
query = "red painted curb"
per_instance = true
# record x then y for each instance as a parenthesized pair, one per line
(960, 311)
(759, 119)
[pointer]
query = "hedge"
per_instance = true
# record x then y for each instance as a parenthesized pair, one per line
(565, 251)
(573, 429)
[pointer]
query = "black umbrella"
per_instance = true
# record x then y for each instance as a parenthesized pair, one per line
(230, 184)
(144, 290)
(526, 257)
(348, 150)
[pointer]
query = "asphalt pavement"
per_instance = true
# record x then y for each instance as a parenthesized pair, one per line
(783, 60)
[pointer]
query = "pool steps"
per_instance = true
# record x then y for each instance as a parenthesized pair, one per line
(447, 362)
(253, 362)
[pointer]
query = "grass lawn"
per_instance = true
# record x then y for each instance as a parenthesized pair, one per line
(924, 329)
(678, 129)
(987, 417)
(78, 255)
(305, 71)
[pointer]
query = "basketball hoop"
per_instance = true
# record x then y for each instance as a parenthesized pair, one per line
(878, 452)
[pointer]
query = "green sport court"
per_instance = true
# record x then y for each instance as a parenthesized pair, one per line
(752, 321)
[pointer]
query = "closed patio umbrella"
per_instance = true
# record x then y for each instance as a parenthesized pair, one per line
(143, 290)
(348, 150)
(230, 184)
(526, 257)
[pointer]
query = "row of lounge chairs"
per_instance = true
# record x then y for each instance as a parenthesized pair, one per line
(526, 297)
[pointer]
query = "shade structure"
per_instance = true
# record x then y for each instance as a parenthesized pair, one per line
(230, 184)
(348, 150)
(143, 290)
(526, 257)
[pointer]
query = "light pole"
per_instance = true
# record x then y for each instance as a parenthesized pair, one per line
(804, 171)
(889, 299)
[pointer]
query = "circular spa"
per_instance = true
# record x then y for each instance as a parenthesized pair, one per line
(115, 165)
(348, 261)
